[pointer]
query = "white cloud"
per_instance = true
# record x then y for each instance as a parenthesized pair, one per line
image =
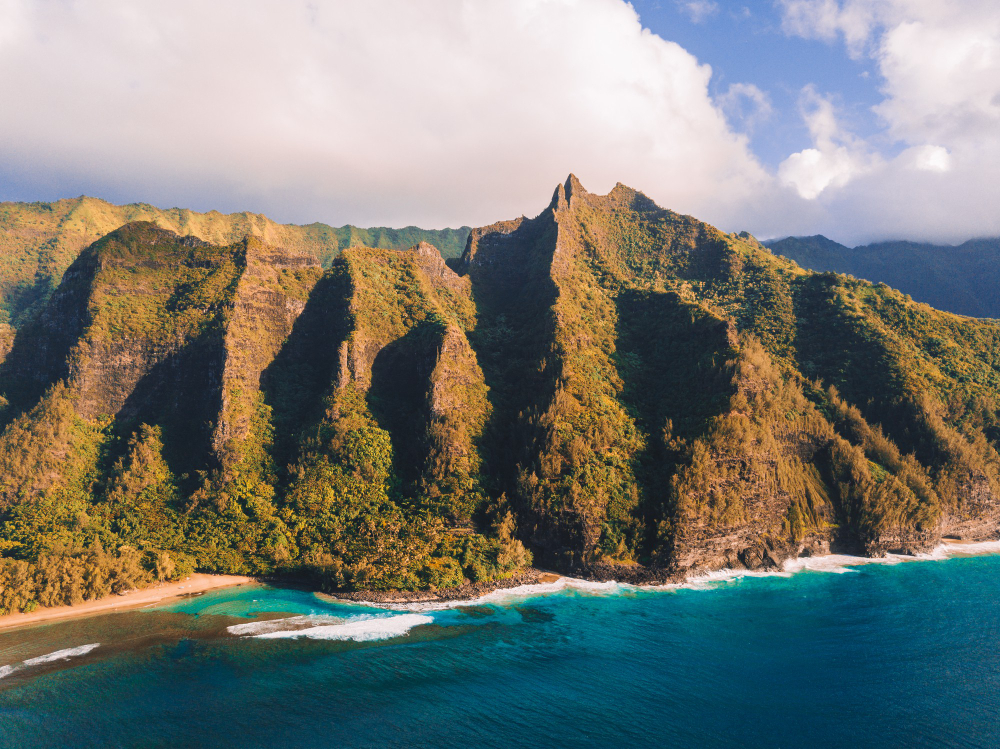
(928, 158)
(939, 61)
(942, 77)
(811, 171)
(12, 21)
(381, 112)
(828, 19)
(698, 11)
(468, 111)
(746, 106)
(836, 157)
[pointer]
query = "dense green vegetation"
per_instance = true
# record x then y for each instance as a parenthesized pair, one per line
(963, 279)
(697, 408)
(608, 387)
(227, 408)
(39, 241)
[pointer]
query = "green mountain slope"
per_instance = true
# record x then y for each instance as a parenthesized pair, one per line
(963, 279)
(609, 388)
(39, 241)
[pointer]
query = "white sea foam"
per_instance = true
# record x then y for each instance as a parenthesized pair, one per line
(840, 563)
(950, 549)
(62, 655)
(563, 583)
(715, 578)
(278, 625)
(832, 563)
(58, 655)
(506, 595)
(358, 629)
(844, 563)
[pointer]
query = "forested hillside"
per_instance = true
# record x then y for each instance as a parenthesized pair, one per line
(963, 279)
(608, 388)
(39, 241)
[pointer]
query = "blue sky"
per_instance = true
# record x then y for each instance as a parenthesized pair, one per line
(745, 43)
(858, 119)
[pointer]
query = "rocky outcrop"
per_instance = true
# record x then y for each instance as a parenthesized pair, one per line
(383, 311)
(429, 260)
(978, 516)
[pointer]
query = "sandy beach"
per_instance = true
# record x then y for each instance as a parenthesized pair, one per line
(197, 583)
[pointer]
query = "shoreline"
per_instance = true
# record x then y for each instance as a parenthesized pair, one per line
(525, 584)
(472, 591)
(542, 582)
(196, 583)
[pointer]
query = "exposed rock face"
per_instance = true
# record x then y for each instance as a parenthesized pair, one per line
(94, 332)
(407, 351)
(42, 354)
(107, 374)
(977, 518)
(269, 296)
(457, 410)
(628, 391)
(455, 372)
(440, 276)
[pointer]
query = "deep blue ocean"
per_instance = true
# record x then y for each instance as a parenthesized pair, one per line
(904, 655)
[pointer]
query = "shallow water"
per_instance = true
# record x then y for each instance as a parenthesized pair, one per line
(881, 656)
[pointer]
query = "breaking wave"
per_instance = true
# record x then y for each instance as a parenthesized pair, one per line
(58, 655)
(358, 629)
(506, 595)
(831, 563)
(950, 549)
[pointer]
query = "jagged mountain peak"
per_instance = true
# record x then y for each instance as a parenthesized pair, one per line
(565, 193)
(573, 187)
(572, 194)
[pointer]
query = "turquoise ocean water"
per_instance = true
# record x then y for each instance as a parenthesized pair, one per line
(904, 655)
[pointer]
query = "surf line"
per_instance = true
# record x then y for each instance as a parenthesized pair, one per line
(58, 655)
(830, 563)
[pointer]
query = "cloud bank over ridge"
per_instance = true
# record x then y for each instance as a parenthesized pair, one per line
(468, 111)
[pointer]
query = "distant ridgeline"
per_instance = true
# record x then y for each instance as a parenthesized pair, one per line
(609, 388)
(963, 279)
(38, 241)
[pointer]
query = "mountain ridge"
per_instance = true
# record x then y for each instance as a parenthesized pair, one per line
(962, 278)
(609, 388)
(38, 241)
